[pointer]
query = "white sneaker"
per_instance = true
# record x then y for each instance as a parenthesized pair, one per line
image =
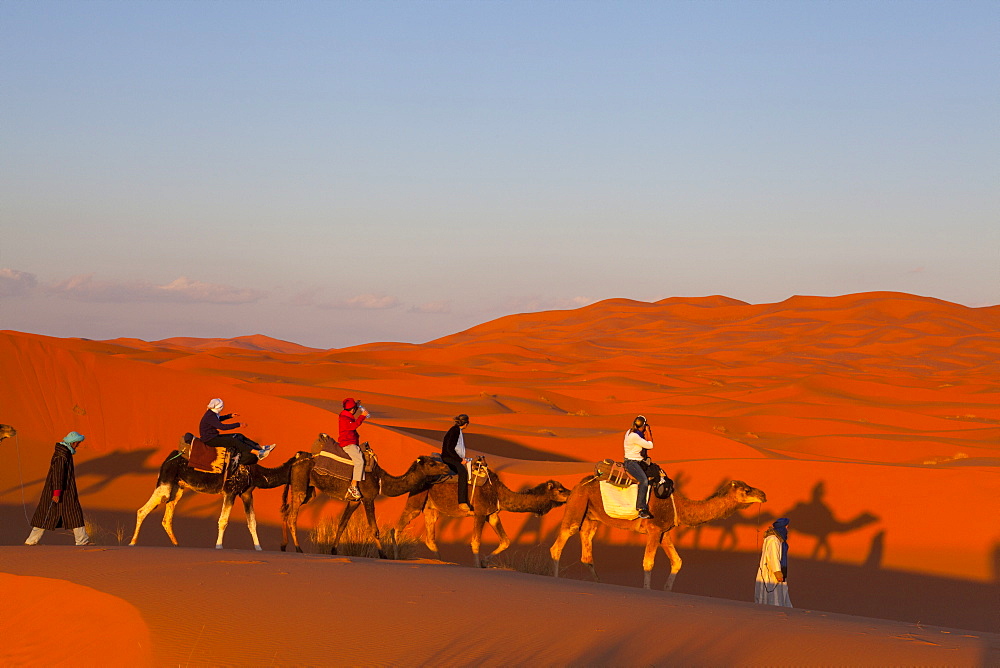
(265, 451)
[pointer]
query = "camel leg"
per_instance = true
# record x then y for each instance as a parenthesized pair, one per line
(576, 510)
(373, 526)
(479, 521)
(430, 530)
(414, 506)
(587, 531)
(675, 560)
(247, 498)
(227, 507)
(168, 515)
(649, 555)
(566, 530)
(345, 517)
(159, 495)
(290, 525)
(501, 534)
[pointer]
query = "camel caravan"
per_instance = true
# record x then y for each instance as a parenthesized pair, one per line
(632, 495)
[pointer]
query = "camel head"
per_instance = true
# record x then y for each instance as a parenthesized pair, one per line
(743, 493)
(432, 466)
(556, 491)
(6, 431)
(323, 441)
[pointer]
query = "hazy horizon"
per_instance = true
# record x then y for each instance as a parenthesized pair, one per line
(336, 173)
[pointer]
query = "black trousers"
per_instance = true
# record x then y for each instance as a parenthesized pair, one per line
(457, 467)
(238, 442)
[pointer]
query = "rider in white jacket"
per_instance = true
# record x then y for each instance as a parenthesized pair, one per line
(635, 454)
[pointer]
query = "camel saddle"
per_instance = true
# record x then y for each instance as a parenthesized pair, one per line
(203, 457)
(331, 461)
(478, 469)
(614, 473)
(619, 502)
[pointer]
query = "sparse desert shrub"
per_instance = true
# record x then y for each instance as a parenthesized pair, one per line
(357, 540)
(102, 536)
(98, 534)
(535, 560)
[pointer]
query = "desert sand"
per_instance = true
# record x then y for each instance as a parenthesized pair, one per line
(871, 420)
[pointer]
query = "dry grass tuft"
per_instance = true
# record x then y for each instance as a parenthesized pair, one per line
(535, 560)
(358, 541)
(101, 536)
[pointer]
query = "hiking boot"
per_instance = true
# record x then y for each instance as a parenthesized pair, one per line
(645, 514)
(352, 494)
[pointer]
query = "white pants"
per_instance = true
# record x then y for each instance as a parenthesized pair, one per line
(354, 452)
(79, 534)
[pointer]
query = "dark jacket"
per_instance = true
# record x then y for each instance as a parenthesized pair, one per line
(212, 424)
(67, 514)
(448, 445)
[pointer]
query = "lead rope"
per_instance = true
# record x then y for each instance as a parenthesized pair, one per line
(756, 539)
(756, 532)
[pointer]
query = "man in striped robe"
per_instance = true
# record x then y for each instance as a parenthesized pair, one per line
(59, 505)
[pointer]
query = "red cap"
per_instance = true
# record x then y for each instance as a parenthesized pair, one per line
(349, 403)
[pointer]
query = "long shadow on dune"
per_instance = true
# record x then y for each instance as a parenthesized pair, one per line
(812, 520)
(490, 445)
(814, 585)
(107, 468)
(815, 518)
(115, 527)
(863, 590)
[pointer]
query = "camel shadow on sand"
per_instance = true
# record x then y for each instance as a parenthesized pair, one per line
(813, 519)
(96, 473)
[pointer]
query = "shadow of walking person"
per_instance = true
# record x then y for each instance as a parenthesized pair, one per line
(876, 551)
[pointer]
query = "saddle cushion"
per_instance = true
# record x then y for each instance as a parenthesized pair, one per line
(332, 461)
(205, 458)
(619, 503)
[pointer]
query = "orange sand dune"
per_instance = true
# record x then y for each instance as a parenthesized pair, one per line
(244, 608)
(94, 628)
(874, 417)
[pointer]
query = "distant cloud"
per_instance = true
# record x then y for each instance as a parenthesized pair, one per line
(526, 304)
(363, 303)
(14, 282)
(181, 290)
(305, 298)
(432, 307)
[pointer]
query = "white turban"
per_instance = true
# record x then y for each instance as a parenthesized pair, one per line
(215, 405)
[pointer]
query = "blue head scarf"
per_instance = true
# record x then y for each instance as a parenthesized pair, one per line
(780, 528)
(71, 439)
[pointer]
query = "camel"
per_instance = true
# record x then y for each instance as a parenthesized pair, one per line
(489, 499)
(303, 481)
(176, 477)
(585, 511)
(6, 431)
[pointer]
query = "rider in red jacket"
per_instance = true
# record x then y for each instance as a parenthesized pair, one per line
(349, 441)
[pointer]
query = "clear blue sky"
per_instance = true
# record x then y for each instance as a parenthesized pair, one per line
(336, 173)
